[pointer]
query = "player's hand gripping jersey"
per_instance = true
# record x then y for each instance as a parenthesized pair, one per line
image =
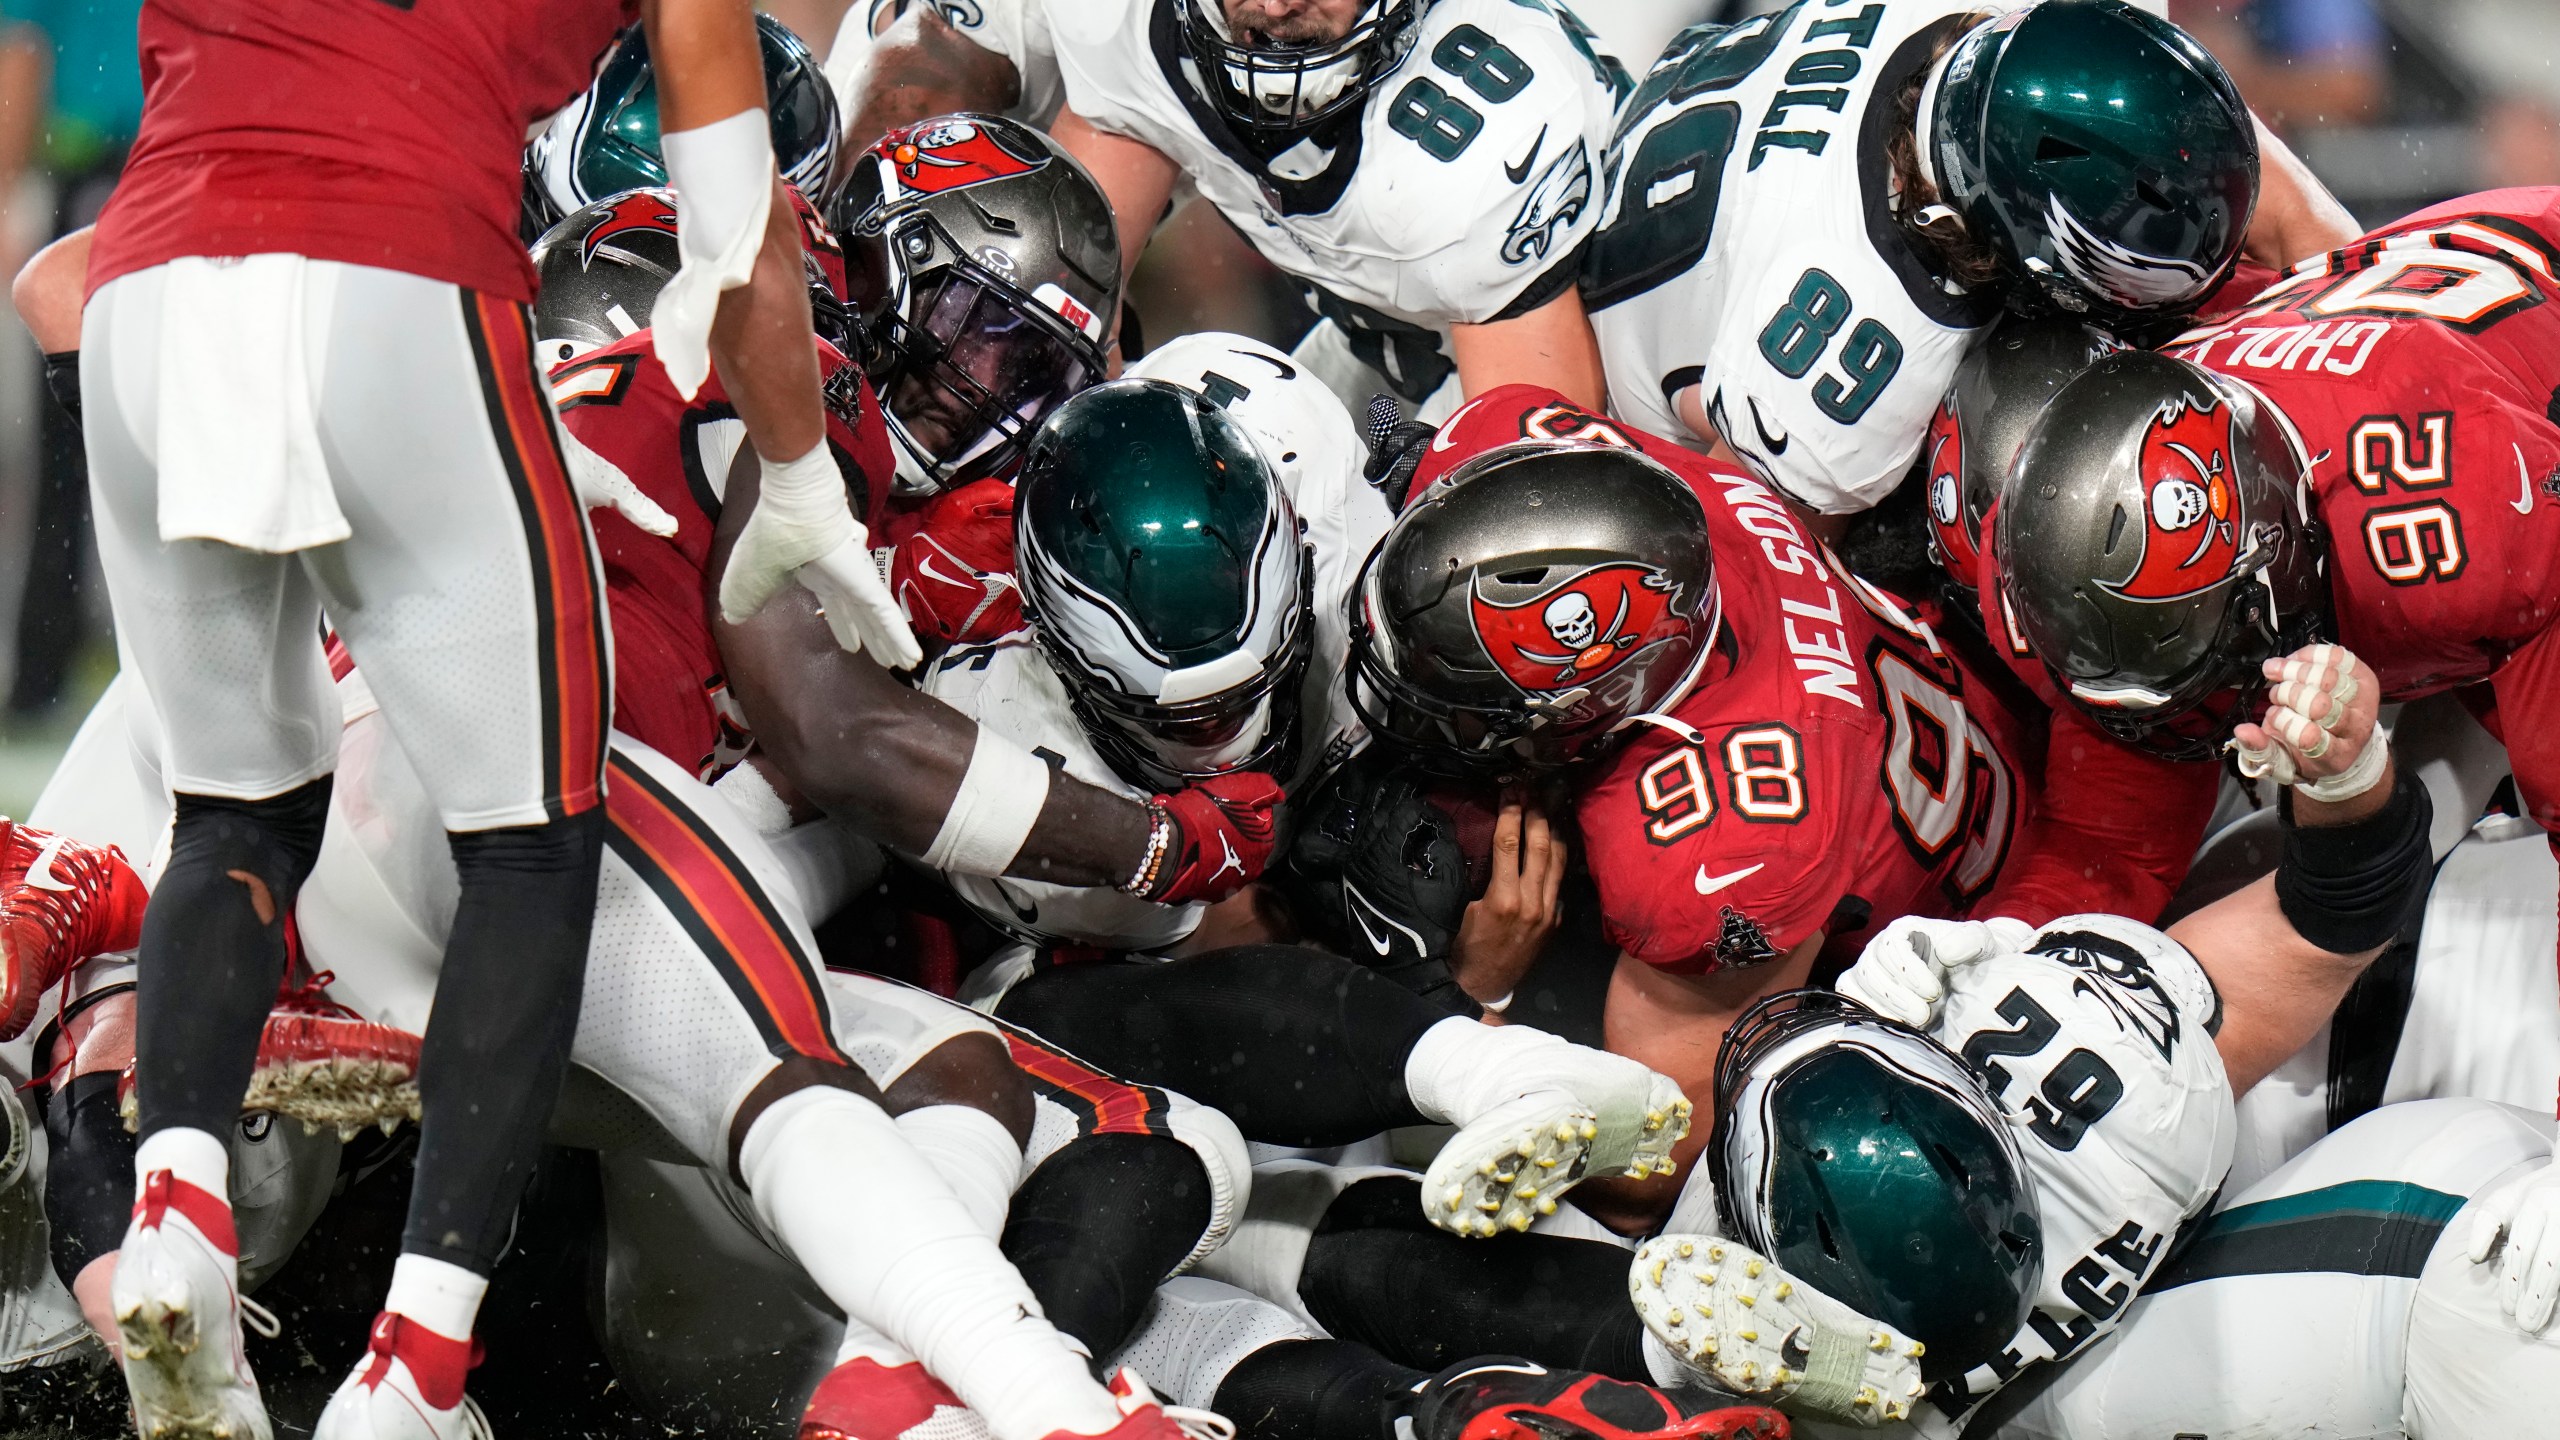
(1011, 688)
(1832, 763)
(2098, 1041)
(2417, 369)
(1749, 247)
(1458, 191)
(668, 690)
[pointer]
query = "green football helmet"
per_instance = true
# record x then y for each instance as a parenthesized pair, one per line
(1877, 1167)
(1164, 576)
(606, 141)
(2100, 150)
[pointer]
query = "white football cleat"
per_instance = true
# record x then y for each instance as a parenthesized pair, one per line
(1591, 1113)
(408, 1386)
(178, 1308)
(1743, 1325)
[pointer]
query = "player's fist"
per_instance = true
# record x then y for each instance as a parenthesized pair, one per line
(1501, 934)
(1223, 830)
(2322, 729)
(2518, 1229)
(1902, 975)
(953, 574)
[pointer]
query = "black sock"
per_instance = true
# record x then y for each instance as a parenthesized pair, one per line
(1100, 1225)
(1298, 1047)
(1376, 1272)
(498, 1039)
(1316, 1390)
(213, 950)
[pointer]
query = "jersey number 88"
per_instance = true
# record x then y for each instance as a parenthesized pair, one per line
(1441, 123)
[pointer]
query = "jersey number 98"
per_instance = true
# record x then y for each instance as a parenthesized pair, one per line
(1800, 334)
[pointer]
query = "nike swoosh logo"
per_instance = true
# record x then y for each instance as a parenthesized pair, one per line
(1774, 444)
(1520, 173)
(40, 874)
(1710, 884)
(1362, 908)
(1449, 427)
(925, 567)
(2524, 484)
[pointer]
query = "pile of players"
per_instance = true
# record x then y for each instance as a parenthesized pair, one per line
(1841, 541)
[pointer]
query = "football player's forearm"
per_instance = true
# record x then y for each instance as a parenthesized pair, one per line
(2297, 217)
(2277, 988)
(760, 343)
(708, 61)
(1137, 179)
(1551, 346)
(921, 67)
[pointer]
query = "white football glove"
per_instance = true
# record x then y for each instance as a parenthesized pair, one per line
(2527, 1218)
(801, 527)
(601, 485)
(1743, 1325)
(1902, 973)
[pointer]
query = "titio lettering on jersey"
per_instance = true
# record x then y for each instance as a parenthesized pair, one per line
(1817, 82)
(1814, 633)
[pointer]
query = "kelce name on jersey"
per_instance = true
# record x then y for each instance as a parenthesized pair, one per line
(1823, 661)
(1817, 79)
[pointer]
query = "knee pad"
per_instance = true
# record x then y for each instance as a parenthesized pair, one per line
(88, 1180)
(1221, 1148)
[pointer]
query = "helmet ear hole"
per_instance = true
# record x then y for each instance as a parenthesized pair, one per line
(1533, 576)
(2053, 147)
(1822, 1233)
(1955, 1166)
(2151, 194)
(2115, 530)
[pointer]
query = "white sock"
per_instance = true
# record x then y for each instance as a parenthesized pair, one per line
(973, 1153)
(197, 1157)
(1196, 1332)
(438, 1294)
(1461, 1068)
(890, 1244)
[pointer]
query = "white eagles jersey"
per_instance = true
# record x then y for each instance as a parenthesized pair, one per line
(1018, 30)
(1456, 194)
(2099, 1039)
(1011, 688)
(1748, 247)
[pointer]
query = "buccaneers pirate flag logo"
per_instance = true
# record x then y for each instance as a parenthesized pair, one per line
(942, 155)
(1583, 629)
(2190, 519)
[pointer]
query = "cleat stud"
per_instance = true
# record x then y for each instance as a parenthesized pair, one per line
(1547, 1207)
(1484, 1167)
(1746, 1300)
(1751, 1335)
(1715, 1252)
(1519, 1220)
(1918, 1350)
(1709, 1278)
(1687, 1250)
(1674, 1318)
(1785, 1289)
(1781, 1375)
(1590, 1131)
(1457, 1196)
(1752, 1269)
(1546, 1162)
(1658, 1267)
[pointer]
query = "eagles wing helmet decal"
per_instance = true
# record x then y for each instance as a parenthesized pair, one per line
(2126, 276)
(950, 155)
(639, 210)
(1945, 452)
(2190, 508)
(1581, 630)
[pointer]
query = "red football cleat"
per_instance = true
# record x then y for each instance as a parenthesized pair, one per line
(1499, 1398)
(60, 903)
(865, 1400)
(1147, 1418)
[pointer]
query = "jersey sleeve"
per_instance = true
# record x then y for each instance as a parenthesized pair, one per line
(1691, 885)
(2098, 1039)
(1823, 402)
(1496, 226)
(2114, 830)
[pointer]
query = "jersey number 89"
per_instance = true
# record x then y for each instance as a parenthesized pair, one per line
(1797, 337)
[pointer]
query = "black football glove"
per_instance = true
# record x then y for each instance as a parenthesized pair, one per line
(1396, 448)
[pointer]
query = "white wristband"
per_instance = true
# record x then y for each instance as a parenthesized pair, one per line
(2353, 781)
(722, 174)
(999, 801)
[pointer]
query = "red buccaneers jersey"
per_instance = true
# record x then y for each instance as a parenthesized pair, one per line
(2417, 367)
(667, 686)
(1832, 761)
(376, 132)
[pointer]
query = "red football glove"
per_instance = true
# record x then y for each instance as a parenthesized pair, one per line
(1223, 832)
(954, 572)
